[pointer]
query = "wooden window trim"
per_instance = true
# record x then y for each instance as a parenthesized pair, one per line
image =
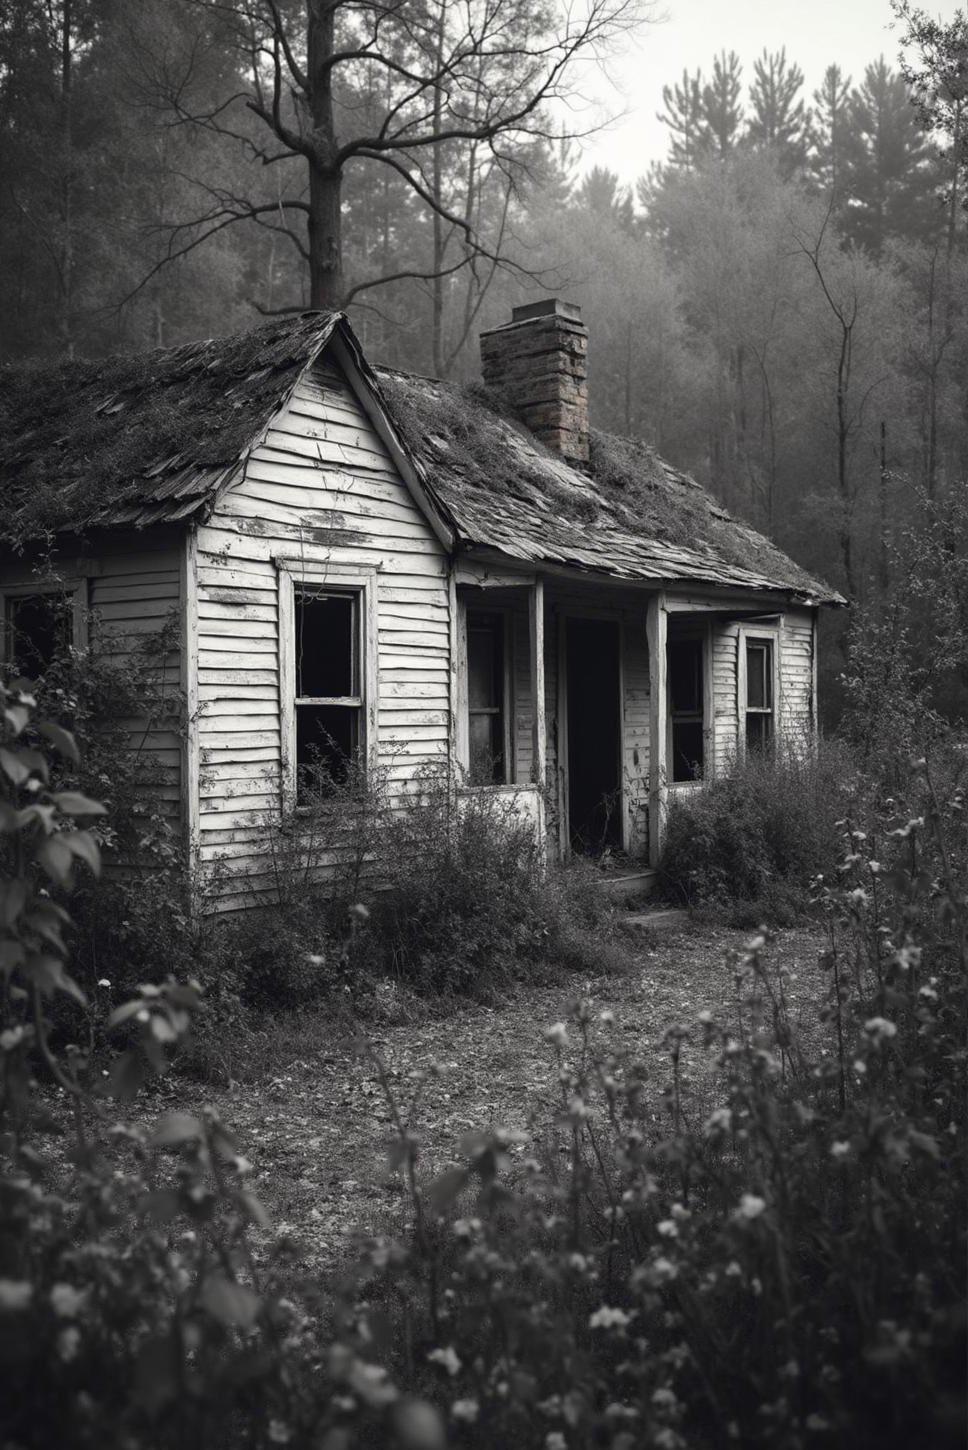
(360, 580)
(76, 587)
(701, 634)
(751, 634)
(505, 613)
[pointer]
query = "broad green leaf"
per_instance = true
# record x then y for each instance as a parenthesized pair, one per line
(62, 740)
(233, 1305)
(14, 767)
(176, 1128)
(73, 803)
(446, 1188)
(17, 717)
(125, 1011)
(13, 895)
(252, 1208)
(55, 856)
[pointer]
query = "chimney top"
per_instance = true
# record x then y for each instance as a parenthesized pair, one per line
(537, 362)
(547, 307)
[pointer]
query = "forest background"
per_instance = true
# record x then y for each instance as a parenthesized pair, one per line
(779, 308)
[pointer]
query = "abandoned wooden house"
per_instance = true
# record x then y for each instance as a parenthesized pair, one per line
(364, 564)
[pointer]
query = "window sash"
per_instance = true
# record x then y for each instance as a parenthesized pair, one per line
(683, 721)
(492, 625)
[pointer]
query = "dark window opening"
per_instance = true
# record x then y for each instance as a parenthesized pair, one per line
(39, 628)
(759, 694)
(485, 698)
(328, 698)
(686, 722)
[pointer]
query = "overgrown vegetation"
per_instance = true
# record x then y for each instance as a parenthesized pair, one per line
(777, 1262)
(750, 842)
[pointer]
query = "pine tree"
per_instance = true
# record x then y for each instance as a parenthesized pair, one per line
(722, 109)
(830, 134)
(890, 176)
(685, 116)
(779, 118)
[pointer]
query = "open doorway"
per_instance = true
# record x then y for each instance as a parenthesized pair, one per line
(594, 726)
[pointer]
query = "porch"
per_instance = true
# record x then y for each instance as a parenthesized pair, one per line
(596, 703)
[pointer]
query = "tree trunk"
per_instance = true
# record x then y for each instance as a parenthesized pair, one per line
(66, 267)
(325, 237)
(325, 178)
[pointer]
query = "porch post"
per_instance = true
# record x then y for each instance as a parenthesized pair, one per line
(538, 728)
(656, 625)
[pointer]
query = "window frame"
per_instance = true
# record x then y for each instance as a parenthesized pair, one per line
(697, 634)
(342, 579)
(505, 614)
(74, 588)
(757, 634)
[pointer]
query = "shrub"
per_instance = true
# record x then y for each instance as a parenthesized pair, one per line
(467, 904)
(757, 836)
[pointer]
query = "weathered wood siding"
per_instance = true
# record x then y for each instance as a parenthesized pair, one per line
(320, 487)
(133, 598)
(792, 633)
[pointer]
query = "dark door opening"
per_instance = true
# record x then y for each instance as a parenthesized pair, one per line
(594, 735)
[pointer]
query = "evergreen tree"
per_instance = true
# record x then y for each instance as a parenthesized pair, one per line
(778, 118)
(830, 134)
(890, 177)
(722, 108)
(685, 116)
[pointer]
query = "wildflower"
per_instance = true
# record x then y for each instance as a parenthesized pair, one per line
(858, 896)
(839, 1150)
(447, 1358)
(928, 994)
(859, 1066)
(719, 1121)
(664, 1399)
(606, 1318)
(733, 1270)
(817, 1423)
(668, 1228)
(279, 1432)
(555, 1440)
(663, 1270)
(557, 1034)
(750, 1206)
(607, 1018)
(577, 1109)
(68, 1343)
(879, 1029)
(15, 1293)
(680, 1213)
(103, 982)
(465, 1410)
(66, 1301)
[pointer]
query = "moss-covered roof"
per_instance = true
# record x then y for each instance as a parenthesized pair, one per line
(140, 439)
(631, 516)
(146, 439)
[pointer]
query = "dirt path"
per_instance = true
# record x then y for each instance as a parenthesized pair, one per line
(317, 1130)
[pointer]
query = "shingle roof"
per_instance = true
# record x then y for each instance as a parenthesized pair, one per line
(133, 441)
(141, 439)
(632, 516)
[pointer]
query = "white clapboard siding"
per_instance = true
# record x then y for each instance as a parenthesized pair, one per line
(320, 487)
(797, 706)
(134, 595)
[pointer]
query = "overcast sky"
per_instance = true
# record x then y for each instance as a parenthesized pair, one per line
(816, 34)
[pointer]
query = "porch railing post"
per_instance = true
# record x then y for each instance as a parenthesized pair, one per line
(538, 729)
(656, 624)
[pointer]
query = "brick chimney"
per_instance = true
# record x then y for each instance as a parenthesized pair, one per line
(537, 362)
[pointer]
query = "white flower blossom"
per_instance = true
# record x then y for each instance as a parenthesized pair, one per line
(555, 1440)
(839, 1150)
(750, 1206)
(66, 1301)
(879, 1029)
(68, 1343)
(557, 1034)
(465, 1410)
(15, 1294)
(720, 1120)
(607, 1318)
(668, 1228)
(447, 1358)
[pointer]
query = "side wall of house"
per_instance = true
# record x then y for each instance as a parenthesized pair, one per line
(795, 671)
(321, 488)
(133, 597)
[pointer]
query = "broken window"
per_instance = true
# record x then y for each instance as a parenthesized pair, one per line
(486, 698)
(37, 628)
(686, 709)
(759, 694)
(328, 701)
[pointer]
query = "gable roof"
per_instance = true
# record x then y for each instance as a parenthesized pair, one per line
(132, 441)
(136, 440)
